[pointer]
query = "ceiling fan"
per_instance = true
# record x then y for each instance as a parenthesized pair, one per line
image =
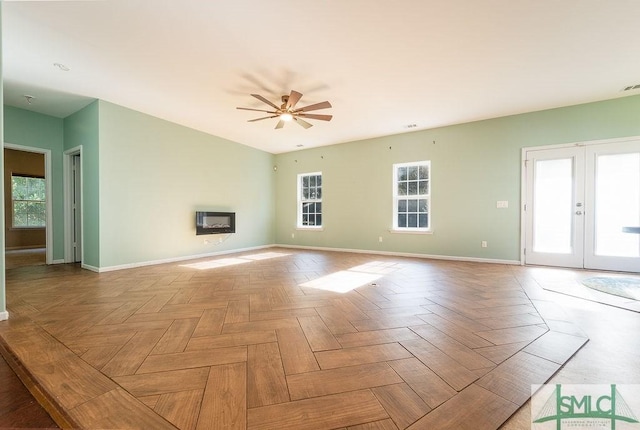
(288, 112)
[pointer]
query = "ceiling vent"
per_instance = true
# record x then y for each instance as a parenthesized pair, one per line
(631, 87)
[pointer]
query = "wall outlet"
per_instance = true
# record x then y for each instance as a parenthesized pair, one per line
(379, 238)
(502, 204)
(483, 244)
(293, 235)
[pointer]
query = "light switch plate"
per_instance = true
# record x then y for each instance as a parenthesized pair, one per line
(502, 204)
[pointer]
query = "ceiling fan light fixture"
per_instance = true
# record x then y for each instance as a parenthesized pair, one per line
(288, 112)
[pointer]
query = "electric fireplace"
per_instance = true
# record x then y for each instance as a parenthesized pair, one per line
(215, 222)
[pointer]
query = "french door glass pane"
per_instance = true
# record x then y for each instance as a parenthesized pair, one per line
(553, 206)
(617, 204)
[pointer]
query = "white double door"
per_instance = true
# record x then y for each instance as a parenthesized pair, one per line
(578, 201)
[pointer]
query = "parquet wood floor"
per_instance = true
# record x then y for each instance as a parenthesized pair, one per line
(282, 338)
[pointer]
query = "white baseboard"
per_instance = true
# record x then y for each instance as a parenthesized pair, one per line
(88, 267)
(406, 254)
(173, 260)
(316, 248)
(25, 248)
(58, 261)
(4, 316)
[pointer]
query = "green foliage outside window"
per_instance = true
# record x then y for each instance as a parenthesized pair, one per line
(310, 200)
(29, 206)
(412, 196)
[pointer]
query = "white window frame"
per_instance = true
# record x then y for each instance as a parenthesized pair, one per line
(397, 197)
(301, 201)
(14, 200)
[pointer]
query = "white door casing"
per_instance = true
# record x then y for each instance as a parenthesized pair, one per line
(576, 201)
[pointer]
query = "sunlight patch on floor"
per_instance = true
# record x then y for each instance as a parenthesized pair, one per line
(347, 280)
(225, 262)
(381, 267)
(265, 255)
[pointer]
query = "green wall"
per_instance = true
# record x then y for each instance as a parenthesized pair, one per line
(81, 130)
(155, 174)
(22, 127)
(145, 177)
(473, 166)
(143, 180)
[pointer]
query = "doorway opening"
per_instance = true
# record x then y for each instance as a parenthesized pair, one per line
(28, 206)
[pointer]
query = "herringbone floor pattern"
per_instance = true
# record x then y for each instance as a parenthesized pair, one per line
(283, 339)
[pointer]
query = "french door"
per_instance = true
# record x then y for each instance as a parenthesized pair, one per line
(578, 200)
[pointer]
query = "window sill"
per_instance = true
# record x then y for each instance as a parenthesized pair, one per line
(394, 231)
(310, 228)
(26, 228)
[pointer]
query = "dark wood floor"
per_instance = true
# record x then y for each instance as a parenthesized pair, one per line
(24, 257)
(18, 408)
(302, 340)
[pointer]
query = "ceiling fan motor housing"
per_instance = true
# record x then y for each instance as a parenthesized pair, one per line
(287, 111)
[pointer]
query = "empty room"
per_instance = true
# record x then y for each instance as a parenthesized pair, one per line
(320, 215)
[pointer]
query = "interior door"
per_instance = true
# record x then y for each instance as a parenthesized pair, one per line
(76, 206)
(578, 201)
(554, 207)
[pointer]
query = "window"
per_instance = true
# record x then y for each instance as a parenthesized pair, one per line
(28, 198)
(310, 200)
(412, 196)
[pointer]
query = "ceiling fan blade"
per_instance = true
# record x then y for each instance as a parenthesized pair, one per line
(316, 116)
(256, 110)
(294, 97)
(265, 117)
(321, 105)
(280, 124)
(302, 122)
(262, 99)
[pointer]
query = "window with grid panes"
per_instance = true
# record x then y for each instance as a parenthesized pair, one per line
(412, 196)
(310, 200)
(28, 199)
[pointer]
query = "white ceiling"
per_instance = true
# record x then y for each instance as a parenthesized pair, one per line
(383, 64)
